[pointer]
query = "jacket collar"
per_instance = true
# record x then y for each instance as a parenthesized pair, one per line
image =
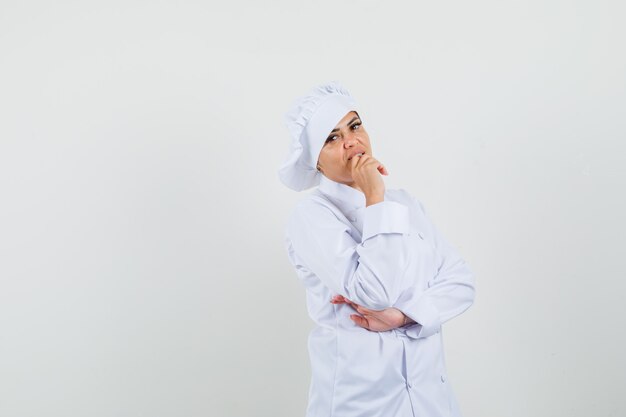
(342, 195)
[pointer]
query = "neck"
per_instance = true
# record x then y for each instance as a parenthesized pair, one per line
(356, 187)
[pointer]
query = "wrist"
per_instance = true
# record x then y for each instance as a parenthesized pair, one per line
(373, 199)
(407, 321)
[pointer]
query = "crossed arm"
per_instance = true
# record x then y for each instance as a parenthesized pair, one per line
(367, 275)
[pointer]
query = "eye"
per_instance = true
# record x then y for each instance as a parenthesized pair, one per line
(330, 138)
(355, 126)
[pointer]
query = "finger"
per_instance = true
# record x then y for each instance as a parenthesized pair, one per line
(361, 321)
(368, 310)
(363, 310)
(363, 159)
(355, 305)
(383, 170)
(338, 298)
(354, 161)
(370, 160)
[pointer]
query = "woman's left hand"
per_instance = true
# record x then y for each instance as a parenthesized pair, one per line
(375, 320)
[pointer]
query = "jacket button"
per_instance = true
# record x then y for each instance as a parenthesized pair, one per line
(443, 378)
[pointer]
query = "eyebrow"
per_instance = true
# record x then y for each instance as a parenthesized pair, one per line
(348, 124)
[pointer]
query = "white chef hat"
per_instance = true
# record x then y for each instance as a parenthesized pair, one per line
(309, 120)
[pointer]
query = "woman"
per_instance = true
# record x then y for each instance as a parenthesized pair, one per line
(380, 279)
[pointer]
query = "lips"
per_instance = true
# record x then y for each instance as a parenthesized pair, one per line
(355, 153)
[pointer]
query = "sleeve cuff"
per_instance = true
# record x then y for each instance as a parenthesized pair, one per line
(423, 311)
(385, 217)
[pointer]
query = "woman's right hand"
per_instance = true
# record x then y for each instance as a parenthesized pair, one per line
(366, 173)
(374, 320)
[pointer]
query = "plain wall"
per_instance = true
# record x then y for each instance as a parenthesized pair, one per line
(142, 264)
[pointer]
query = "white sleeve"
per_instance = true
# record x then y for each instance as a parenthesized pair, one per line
(370, 272)
(449, 293)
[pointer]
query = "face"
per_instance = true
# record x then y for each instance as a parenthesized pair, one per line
(345, 140)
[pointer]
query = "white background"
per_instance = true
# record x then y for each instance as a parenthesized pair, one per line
(142, 266)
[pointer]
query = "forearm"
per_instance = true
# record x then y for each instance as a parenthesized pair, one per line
(448, 295)
(369, 272)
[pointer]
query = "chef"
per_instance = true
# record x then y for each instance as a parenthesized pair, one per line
(380, 278)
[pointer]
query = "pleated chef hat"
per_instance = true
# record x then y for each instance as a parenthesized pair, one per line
(309, 121)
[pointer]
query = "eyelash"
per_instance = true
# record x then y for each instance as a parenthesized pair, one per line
(352, 127)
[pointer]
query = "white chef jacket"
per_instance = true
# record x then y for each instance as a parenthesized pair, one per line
(386, 254)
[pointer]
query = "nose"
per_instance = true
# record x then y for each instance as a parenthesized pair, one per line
(350, 140)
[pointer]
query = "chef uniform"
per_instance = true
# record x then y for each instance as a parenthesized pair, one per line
(388, 254)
